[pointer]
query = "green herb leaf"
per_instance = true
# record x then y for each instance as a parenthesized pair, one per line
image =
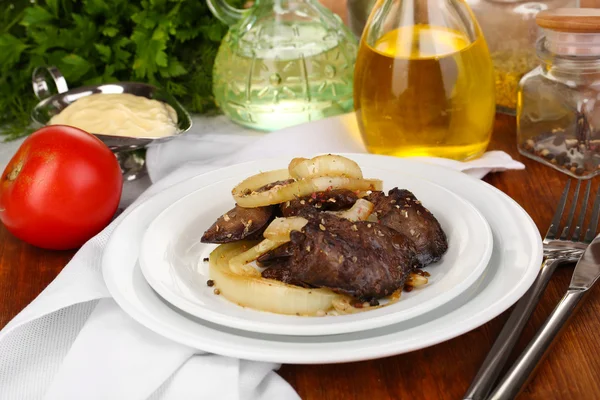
(105, 52)
(10, 49)
(36, 16)
(74, 66)
(110, 31)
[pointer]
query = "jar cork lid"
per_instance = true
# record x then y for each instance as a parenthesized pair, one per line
(574, 20)
(571, 31)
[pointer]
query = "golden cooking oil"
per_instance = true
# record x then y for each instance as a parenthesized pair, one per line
(425, 90)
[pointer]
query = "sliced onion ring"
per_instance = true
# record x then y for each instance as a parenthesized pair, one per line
(326, 165)
(416, 280)
(239, 264)
(265, 294)
(245, 195)
(360, 211)
(280, 228)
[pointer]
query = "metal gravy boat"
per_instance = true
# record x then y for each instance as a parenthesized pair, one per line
(52, 104)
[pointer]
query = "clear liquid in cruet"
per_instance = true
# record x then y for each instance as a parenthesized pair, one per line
(424, 84)
(283, 62)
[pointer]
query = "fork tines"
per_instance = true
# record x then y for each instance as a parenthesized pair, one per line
(576, 235)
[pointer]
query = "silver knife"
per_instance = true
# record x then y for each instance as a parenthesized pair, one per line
(586, 273)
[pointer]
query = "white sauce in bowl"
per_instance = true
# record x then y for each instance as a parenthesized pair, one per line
(121, 114)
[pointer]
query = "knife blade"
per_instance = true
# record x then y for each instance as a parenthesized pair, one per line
(587, 270)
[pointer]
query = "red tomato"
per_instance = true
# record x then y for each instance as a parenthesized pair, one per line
(61, 188)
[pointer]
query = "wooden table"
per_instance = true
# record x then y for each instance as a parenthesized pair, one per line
(571, 371)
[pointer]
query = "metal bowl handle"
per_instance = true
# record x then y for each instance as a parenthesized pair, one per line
(40, 84)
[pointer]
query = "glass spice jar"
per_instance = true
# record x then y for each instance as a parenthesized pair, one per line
(558, 114)
(510, 31)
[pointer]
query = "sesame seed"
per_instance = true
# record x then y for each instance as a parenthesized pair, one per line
(354, 259)
(216, 228)
(226, 218)
(229, 235)
(418, 212)
(369, 225)
(397, 206)
(393, 201)
(379, 233)
(417, 202)
(332, 200)
(321, 227)
(412, 232)
(405, 213)
(340, 259)
(354, 228)
(323, 221)
(307, 248)
(303, 202)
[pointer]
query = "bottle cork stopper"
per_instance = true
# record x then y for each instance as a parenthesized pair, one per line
(574, 20)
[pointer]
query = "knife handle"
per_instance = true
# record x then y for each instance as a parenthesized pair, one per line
(520, 373)
(496, 359)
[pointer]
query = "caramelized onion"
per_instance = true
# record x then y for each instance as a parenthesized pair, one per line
(239, 264)
(245, 193)
(415, 280)
(327, 165)
(265, 294)
(360, 211)
(280, 228)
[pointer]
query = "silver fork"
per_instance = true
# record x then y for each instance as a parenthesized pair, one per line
(557, 250)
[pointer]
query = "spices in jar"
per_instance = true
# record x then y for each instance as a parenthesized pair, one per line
(511, 32)
(558, 112)
(509, 68)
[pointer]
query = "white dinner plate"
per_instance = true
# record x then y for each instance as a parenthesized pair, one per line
(513, 266)
(171, 259)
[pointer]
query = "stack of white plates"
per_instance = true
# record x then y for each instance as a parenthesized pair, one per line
(153, 266)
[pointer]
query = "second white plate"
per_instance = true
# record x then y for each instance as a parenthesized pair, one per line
(171, 260)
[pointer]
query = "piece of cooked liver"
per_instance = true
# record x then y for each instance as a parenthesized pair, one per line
(403, 212)
(362, 259)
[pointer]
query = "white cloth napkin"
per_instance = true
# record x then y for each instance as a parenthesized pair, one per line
(74, 342)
